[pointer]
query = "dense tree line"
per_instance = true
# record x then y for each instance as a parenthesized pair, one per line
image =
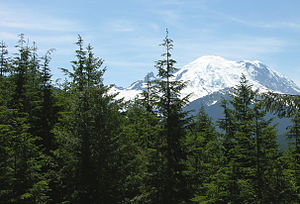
(76, 143)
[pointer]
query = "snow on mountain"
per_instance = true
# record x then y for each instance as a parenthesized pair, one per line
(209, 74)
(134, 89)
(140, 84)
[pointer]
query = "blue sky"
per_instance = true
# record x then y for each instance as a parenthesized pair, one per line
(126, 33)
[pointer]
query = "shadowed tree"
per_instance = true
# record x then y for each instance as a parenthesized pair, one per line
(169, 107)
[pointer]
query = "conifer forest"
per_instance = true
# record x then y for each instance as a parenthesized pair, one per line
(74, 142)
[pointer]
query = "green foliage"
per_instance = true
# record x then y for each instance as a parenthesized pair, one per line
(26, 178)
(143, 144)
(174, 120)
(251, 156)
(22, 170)
(294, 135)
(203, 153)
(286, 105)
(88, 134)
(77, 144)
(4, 60)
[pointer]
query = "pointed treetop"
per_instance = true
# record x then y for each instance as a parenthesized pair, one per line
(167, 33)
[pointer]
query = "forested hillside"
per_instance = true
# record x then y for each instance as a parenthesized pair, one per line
(76, 143)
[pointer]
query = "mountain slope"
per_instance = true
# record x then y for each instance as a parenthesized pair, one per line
(211, 78)
(134, 89)
(209, 74)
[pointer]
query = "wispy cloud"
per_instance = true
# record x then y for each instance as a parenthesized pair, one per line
(128, 64)
(170, 17)
(44, 39)
(55, 39)
(279, 24)
(8, 36)
(239, 48)
(154, 26)
(253, 46)
(30, 20)
(47, 25)
(259, 24)
(120, 25)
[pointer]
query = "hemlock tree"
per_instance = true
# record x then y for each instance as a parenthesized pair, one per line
(48, 109)
(238, 145)
(174, 119)
(142, 141)
(287, 105)
(4, 60)
(203, 153)
(268, 171)
(89, 134)
(20, 69)
(244, 149)
(25, 179)
(294, 134)
(7, 133)
(250, 148)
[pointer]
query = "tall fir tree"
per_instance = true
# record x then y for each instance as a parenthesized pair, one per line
(250, 148)
(288, 105)
(21, 64)
(174, 119)
(47, 114)
(294, 135)
(142, 141)
(27, 182)
(267, 158)
(203, 153)
(4, 60)
(92, 126)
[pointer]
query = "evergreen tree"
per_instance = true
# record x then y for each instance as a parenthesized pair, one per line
(244, 149)
(174, 121)
(33, 94)
(26, 80)
(142, 141)
(6, 85)
(89, 134)
(6, 154)
(47, 114)
(21, 64)
(4, 60)
(294, 135)
(202, 158)
(225, 179)
(25, 181)
(240, 164)
(267, 158)
(250, 149)
(287, 105)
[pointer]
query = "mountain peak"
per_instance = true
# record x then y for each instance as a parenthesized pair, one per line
(209, 60)
(149, 77)
(209, 74)
(139, 85)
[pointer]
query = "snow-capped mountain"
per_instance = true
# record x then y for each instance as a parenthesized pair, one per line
(134, 89)
(209, 74)
(211, 78)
